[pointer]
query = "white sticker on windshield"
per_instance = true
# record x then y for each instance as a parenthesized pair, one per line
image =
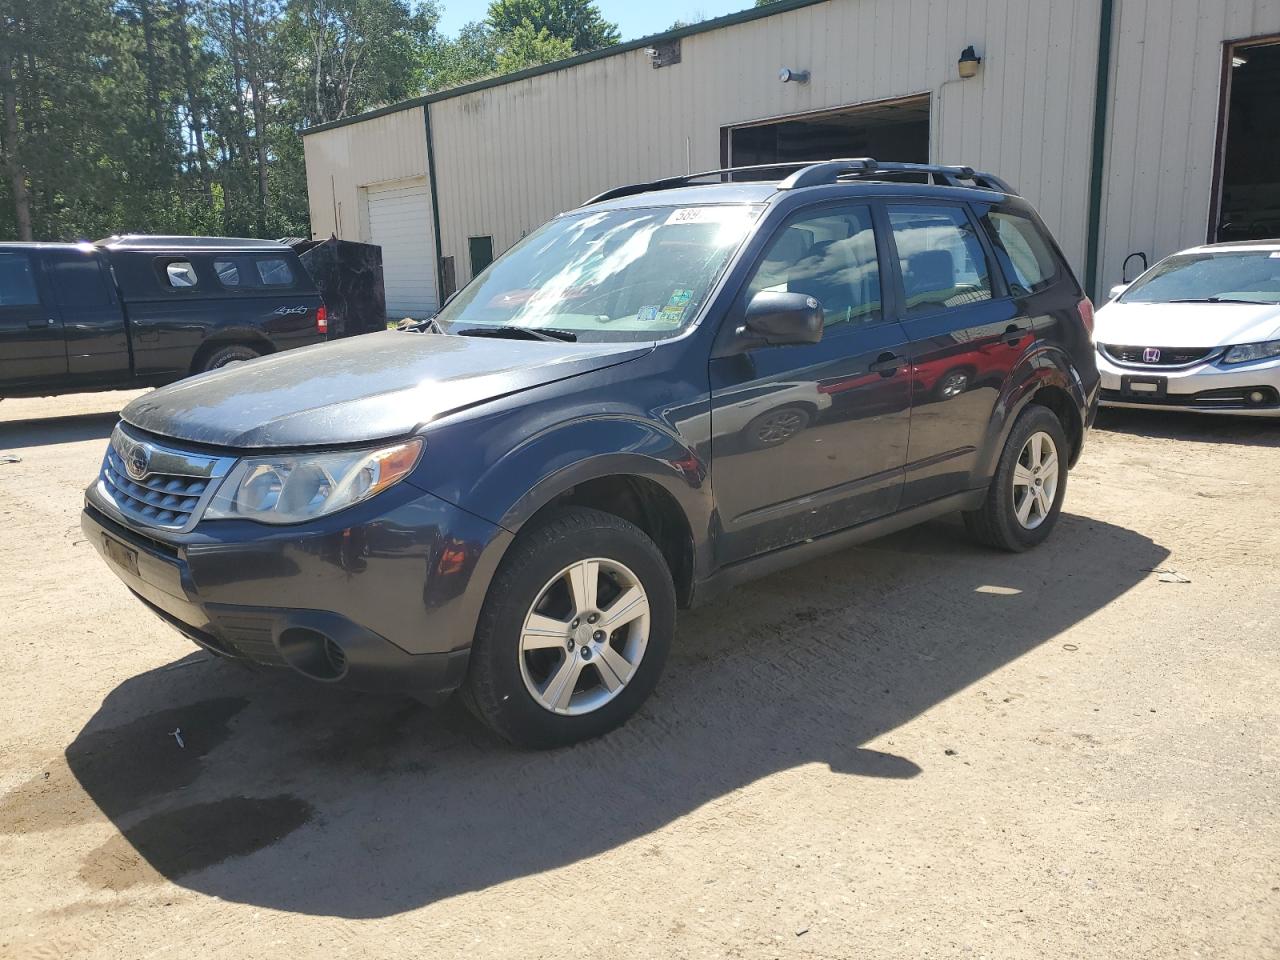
(1275, 254)
(706, 214)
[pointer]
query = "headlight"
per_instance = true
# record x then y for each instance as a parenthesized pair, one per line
(291, 488)
(1252, 351)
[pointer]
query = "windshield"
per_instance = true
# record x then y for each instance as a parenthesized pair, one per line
(1225, 277)
(610, 275)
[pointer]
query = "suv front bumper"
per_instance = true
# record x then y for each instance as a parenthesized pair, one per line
(385, 602)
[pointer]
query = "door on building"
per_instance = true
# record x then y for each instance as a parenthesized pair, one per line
(889, 130)
(400, 223)
(1248, 185)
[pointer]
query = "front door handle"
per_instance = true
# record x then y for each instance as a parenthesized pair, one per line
(40, 324)
(886, 364)
(1013, 334)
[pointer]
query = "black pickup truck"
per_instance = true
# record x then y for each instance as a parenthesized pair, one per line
(139, 311)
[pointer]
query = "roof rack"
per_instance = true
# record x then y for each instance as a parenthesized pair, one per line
(812, 173)
(833, 171)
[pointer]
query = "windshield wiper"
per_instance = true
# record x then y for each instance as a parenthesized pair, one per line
(528, 333)
(1256, 303)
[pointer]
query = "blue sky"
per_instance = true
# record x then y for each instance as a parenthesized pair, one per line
(635, 18)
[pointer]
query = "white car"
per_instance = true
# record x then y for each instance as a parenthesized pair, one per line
(1198, 331)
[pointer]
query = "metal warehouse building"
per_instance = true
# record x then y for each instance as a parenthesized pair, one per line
(1133, 125)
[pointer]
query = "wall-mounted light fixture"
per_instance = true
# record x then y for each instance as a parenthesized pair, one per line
(787, 75)
(968, 63)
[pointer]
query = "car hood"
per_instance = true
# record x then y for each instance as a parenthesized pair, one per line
(373, 387)
(1186, 324)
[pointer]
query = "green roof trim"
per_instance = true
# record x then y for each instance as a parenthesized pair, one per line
(706, 26)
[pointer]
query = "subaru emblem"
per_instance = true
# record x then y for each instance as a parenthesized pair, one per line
(138, 462)
(1151, 355)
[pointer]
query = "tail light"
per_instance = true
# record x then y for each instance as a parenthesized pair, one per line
(322, 319)
(1085, 307)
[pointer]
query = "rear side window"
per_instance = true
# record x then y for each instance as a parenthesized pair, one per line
(940, 256)
(180, 274)
(79, 283)
(247, 272)
(274, 272)
(17, 282)
(1025, 257)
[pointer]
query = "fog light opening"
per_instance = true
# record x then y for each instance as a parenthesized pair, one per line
(312, 654)
(1257, 396)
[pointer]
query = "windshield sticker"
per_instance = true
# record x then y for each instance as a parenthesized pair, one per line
(680, 297)
(671, 314)
(648, 314)
(1275, 255)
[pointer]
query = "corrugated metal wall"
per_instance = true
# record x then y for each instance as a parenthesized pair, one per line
(510, 156)
(1163, 121)
(343, 160)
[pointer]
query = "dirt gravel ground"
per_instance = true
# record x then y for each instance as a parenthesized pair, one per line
(918, 748)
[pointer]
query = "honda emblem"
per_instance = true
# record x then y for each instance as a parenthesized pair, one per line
(1151, 355)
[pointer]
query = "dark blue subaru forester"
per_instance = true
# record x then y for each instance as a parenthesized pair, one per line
(676, 387)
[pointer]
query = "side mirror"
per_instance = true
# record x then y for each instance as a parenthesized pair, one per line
(779, 319)
(1118, 289)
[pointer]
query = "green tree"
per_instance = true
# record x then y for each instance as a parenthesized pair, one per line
(578, 21)
(527, 46)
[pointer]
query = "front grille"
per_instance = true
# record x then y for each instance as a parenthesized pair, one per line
(167, 487)
(1169, 356)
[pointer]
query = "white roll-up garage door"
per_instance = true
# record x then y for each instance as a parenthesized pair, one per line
(400, 223)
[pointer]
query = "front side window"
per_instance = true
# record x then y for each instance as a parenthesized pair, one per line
(637, 274)
(1228, 276)
(17, 281)
(1028, 264)
(940, 256)
(830, 256)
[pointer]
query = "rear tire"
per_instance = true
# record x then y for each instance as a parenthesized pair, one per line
(574, 631)
(232, 353)
(1024, 500)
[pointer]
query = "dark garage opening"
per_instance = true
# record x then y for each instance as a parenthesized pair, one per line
(1250, 186)
(897, 130)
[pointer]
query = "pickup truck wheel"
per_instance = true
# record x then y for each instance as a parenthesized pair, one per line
(229, 354)
(1025, 497)
(574, 633)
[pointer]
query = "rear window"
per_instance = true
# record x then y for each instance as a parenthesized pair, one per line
(17, 282)
(1025, 257)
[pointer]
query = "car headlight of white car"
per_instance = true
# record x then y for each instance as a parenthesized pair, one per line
(1244, 352)
(292, 488)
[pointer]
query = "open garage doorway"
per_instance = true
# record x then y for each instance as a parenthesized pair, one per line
(887, 130)
(1247, 187)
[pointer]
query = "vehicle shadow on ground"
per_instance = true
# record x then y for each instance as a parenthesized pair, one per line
(313, 801)
(46, 431)
(1206, 428)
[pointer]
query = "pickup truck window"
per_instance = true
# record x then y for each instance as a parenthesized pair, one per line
(254, 272)
(17, 283)
(180, 274)
(79, 283)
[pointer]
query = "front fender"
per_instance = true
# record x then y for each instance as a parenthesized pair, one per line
(1046, 366)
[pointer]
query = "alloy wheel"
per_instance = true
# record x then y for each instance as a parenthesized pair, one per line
(584, 636)
(1035, 480)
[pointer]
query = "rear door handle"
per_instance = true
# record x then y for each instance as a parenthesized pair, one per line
(1013, 334)
(886, 364)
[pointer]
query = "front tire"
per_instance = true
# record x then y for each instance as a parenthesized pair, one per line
(1025, 497)
(574, 631)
